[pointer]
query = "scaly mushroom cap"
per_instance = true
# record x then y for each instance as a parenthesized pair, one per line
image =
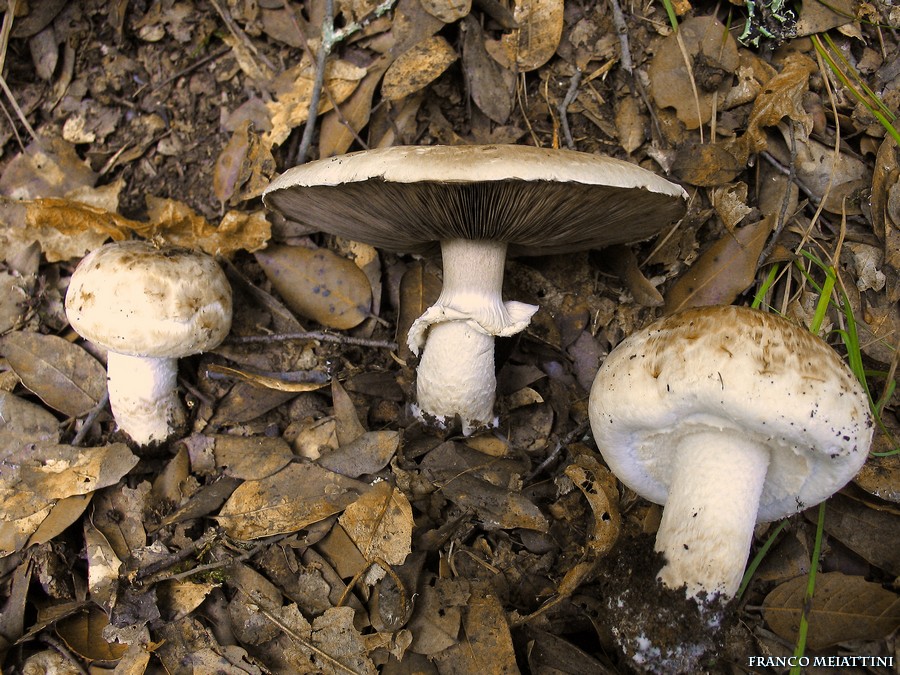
(537, 200)
(136, 299)
(732, 368)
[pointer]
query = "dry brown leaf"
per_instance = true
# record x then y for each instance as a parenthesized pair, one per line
(279, 382)
(417, 67)
(62, 374)
(348, 425)
(870, 533)
(334, 136)
(176, 223)
(244, 166)
(438, 615)
(419, 290)
(83, 634)
(37, 475)
(380, 523)
(528, 47)
(448, 11)
(714, 55)
(294, 89)
(730, 203)
(22, 422)
(251, 458)
(486, 647)
(491, 85)
(708, 165)
(367, 454)
(62, 515)
(880, 474)
(103, 567)
(843, 608)
(782, 97)
(886, 209)
(630, 124)
(722, 271)
(318, 284)
(297, 496)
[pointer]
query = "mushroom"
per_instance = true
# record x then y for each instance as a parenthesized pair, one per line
(148, 307)
(729, 416)
(477, 203)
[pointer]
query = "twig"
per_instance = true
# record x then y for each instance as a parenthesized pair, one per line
(205, 540)
(330, 37)
(222, 563)
(622, 30)
(221, 51)
(240, 35)
(313, 335)
(563, 108)
(333, 662)
(785, 202)
(566, 440)
(90, 419)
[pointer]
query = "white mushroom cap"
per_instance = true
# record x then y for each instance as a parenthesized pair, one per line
(134, 298)
(539, 201)
(740, 369)
(728, 416)
(148, 307)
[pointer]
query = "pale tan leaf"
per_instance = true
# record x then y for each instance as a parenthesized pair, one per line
(62, 514)
(531, 45)
(291, 109)
(367, 454)
(843, 608)
(334, 136)
(486, 647)
(380, 523)
(448, 11)
(42, 474)
(251, 458)
(24, 422)
(62, 374)
(83, 634)
(297, 496)
(417, 67)
(318, 284)
(782, 97)
(349, 427)
(630, 124)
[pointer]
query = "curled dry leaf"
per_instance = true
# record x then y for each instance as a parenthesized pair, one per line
(244, 166)
(297, 496)
(318, 284)
(334, 136)
(417, 67)
(528, 47)
(62, 374)
(843, 608)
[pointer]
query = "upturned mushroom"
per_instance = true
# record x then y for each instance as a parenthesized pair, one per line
(478, 203)
(148, 307)
(729, 416)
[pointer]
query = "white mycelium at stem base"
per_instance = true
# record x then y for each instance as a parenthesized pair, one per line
(143, 395)
(456, 372)
(706, 530)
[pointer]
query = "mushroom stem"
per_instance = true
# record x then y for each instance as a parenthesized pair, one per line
(706, 532)
(143, 398)
(456, 371)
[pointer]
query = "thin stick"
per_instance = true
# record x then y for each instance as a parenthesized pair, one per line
(321, 57)
(313, 335)
(563, 108)
(622, 30)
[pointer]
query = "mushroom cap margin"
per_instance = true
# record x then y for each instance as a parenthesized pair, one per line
(538, 200)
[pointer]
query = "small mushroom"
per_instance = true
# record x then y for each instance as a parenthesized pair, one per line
(729, 416)
(478, 203)
(149, 307)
